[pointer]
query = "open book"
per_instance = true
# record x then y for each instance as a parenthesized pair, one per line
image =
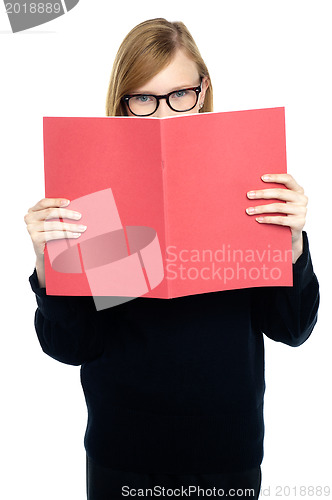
(164, 201)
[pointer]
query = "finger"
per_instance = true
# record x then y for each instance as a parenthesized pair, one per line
(42, 237)
(64, 213)
(286, 208)
(293, 222)
(280, 194)
(49, 213)
(48, 202)
(59, 226)
(286, 179)
(45, 227)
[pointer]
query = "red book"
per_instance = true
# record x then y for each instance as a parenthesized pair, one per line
(164, 202)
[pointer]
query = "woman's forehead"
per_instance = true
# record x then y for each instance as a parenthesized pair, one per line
(181, 72)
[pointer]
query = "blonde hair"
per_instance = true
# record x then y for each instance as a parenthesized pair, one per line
(147, 49)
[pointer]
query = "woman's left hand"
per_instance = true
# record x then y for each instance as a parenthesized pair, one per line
(295, 208)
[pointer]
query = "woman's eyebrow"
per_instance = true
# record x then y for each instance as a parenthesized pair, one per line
(178, 87)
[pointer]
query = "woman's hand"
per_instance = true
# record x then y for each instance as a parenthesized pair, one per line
(293, 205)
(42, 230)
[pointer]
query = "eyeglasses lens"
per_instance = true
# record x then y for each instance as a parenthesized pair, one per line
(182, 100)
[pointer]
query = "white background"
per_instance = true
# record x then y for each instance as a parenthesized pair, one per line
(259, 54)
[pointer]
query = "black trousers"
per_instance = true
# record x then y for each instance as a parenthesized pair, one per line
(107, 484)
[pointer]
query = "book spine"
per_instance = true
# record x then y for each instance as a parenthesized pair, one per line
(165, 198)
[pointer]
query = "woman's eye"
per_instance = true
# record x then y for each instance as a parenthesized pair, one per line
(142, 98)
(180, 93)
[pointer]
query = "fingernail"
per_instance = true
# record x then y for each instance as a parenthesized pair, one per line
(63, 203)
(266, 177)
(251, 194)
(259, 219)
(250, 210)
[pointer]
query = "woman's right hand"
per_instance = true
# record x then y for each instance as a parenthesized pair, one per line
(43, 230)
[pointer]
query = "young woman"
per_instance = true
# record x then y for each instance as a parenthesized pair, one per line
(174, 388)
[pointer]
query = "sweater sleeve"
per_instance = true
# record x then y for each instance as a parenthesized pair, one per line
(66, 326)
(289, 314)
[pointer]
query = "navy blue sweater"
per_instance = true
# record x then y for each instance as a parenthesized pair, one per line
(177, 385)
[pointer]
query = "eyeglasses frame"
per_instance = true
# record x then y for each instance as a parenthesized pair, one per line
(197, 89)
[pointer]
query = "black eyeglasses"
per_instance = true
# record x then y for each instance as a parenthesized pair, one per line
(178, 100)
